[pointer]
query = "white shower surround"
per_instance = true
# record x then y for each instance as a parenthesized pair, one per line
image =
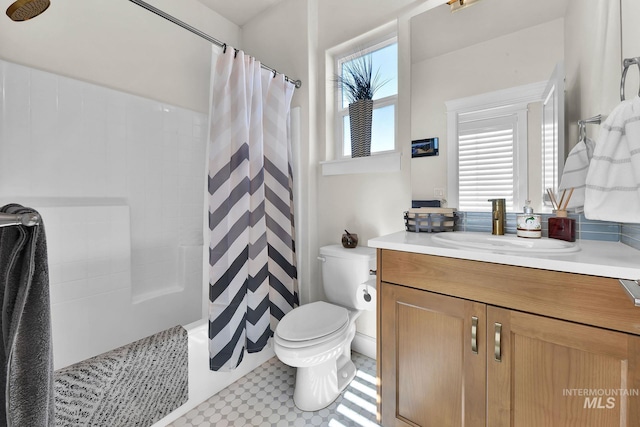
(68, 143)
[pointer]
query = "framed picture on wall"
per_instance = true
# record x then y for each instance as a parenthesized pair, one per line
(424, 147)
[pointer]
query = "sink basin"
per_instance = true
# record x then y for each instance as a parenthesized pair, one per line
(507, 243)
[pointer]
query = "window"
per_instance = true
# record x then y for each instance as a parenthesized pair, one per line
(487, 146)
(384, 60)
(488, 154)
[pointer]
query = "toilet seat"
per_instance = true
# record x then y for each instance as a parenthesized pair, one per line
(312, 324)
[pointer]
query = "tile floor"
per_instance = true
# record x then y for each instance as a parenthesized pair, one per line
(264, 398)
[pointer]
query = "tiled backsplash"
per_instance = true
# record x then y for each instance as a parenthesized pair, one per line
(628, 234)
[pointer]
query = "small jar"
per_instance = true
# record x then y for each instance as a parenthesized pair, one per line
(529, 224)
(562, 227)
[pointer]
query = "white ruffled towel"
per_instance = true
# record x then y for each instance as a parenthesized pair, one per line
(574, 174)
(613, 180)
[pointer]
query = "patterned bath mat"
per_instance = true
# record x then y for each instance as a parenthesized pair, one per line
(134, 385)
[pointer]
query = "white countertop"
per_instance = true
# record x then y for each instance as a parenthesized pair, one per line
(596, 258)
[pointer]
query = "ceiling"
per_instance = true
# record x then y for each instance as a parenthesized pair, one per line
(239, 11)
(439, 31)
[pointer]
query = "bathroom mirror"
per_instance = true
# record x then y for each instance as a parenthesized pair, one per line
(492, 47)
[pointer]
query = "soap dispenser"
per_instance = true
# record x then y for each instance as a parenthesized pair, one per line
(528, 223)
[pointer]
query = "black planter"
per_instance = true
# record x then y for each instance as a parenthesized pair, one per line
(360, 114)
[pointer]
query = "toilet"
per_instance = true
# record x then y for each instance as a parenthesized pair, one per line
(316, 338)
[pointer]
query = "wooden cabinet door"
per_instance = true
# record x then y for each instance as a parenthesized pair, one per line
(554, 373)
(430, 376)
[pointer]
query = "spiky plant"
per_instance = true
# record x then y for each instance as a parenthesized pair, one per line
(358, 81)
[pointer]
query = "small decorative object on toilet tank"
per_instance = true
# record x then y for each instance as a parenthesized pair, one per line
(349, 240)
(528, 223)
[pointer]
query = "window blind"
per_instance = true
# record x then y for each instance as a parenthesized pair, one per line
(487, 152)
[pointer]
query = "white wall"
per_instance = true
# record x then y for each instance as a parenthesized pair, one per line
(118, 44)
(631, 43)
(340, 21)
(519, 58)
(592, 64)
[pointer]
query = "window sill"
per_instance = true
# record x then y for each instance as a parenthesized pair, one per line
(377, 163)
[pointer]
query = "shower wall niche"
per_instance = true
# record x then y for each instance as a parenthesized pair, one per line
(73, 150)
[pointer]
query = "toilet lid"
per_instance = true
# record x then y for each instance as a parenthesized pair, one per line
(312, 321)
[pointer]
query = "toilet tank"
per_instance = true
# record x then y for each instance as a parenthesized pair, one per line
(343, 270)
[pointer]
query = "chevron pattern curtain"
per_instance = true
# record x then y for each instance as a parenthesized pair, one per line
(252, 269)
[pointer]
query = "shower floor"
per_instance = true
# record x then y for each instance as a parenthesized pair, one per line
(264, 398)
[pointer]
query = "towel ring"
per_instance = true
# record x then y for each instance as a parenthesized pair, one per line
(627, 63)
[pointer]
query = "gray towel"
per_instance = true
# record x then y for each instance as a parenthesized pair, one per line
(26, 354)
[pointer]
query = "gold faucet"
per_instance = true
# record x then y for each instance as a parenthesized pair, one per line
(497, 216)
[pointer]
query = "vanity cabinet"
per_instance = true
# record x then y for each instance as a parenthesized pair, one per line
(468, 343)
(429, 375)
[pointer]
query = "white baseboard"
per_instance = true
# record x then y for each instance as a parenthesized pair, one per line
(364, 344)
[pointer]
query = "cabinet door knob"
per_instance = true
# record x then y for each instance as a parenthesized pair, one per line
(497, 354)
(474, 335)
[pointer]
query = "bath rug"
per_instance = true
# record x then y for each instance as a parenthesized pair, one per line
(134, 385)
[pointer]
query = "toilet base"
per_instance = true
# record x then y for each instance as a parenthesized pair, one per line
(318, 386)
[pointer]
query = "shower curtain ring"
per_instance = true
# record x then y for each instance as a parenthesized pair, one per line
(224, 48)
(235, 53)
(274, 73)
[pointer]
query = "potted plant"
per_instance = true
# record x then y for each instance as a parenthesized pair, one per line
(359, 83)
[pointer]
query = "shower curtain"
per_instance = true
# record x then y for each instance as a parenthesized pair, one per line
(252, 270)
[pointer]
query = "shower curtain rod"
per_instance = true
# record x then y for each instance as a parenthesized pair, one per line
(150, 8)
(28, 219)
